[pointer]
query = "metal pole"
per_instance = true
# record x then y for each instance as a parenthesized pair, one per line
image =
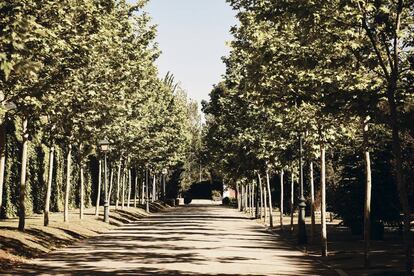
(302, 239)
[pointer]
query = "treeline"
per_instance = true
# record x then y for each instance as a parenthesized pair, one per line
(78, 82)
(324, 91)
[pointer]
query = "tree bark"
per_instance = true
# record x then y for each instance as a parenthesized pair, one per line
(281, 199)
(147, 190)
(2, 158)
(270, 199)
(239, 205)
(292, 208)
(136, 190)
(111, 184)
(49, 186)
(118, 182)
(401, 185)
(154, 188)
(257, 201)
(324, 240)
(251, 199)
(68, 180)
(367, 202)
(129, 187)
(82, 191)
(124, 176)
(23, 171)
(312, 187)
(265, 205)
(98, 195)
(261, 195)
(143, 192)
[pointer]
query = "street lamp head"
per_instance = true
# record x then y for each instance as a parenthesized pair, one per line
(104, 145)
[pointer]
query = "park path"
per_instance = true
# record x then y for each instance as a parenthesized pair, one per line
(187, 240)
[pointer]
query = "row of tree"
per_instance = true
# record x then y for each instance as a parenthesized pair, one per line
(72, 74)
(338, 75)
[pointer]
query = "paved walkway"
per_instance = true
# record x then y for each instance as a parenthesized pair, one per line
(193, 240)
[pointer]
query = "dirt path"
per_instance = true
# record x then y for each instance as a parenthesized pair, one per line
(193, 240)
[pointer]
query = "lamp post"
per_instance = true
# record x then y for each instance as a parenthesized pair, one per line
(302, 239)
(104, 146)
(164, 175)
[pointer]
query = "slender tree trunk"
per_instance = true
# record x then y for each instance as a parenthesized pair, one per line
(242, 197)
(401, 185)
(324, 240)
(82, 192)
(147, 190)
(367, 202)
(118, 182)
(22, 198)
(111, 185)
(251, 199)
(129, 187)
(136, 190)
(49, 186)
(143, 192)
(261, 196)
(292, 203)
(2, 159)
(313, 218)
(68, 180)
(265, 205)
(124, 176)
(98, 195)
(281, 199)
(154, 188)
(239, 205)
(257, 201)
(270, 199)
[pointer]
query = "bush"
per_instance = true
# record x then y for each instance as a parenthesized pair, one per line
(216, 195)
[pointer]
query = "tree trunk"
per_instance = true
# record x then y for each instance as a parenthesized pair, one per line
(147, 191)
(143, 192)
(239, 205)
(251, 199)
(129, 187)
(401, 184)
(22, 197)
(292, 208)
(111, 184)
(270, 200)
(82, 192)
(68, 180)
(49, 186)
(124, 176)
(98, 195)
(118, 182)
(313, 218)
(154, 188)
(242, 197)
(367, 202)
(136, 190)
(2, 158)
(265, 205)
(261, 195)
(324, 240)
(281, 199)
(257, 201)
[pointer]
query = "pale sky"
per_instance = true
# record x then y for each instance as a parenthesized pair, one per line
(192, 36)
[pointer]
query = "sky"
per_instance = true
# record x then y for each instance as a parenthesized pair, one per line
(192, 36)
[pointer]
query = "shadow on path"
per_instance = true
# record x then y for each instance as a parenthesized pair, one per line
(193, 240)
